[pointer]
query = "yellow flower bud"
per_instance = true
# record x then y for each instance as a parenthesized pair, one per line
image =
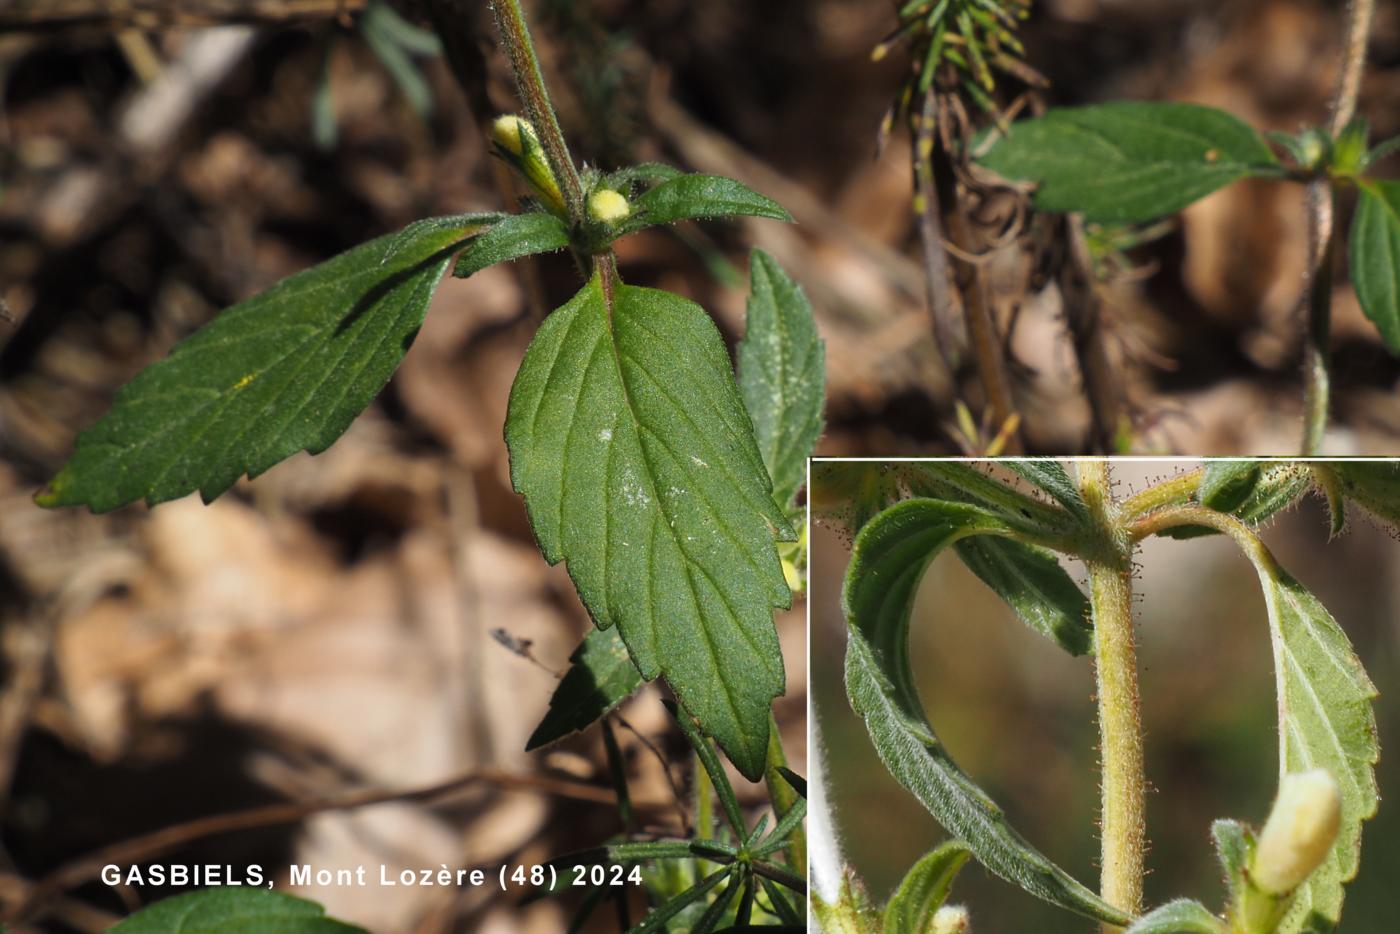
(608, 206)
(520, 144)
(951, 919)
(792, 576)
(1299, 833)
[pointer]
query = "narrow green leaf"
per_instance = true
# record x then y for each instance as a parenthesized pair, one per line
(1131, 161)
(691, 197)
(656, 921)
(218, 911)
(711, 918)
(1033, 583)
(285, 371)
(396, 60)
(1234, 846)
(924, 889)
(511, 237)
(783, 829)
(782, 374)
(1051, 476)
(1374, 254)
(781, 906)
(600, 676)
(890, 557)
(1182, 916)
(1325, 721)
(728, 801)
(630, 443)
(798, 783)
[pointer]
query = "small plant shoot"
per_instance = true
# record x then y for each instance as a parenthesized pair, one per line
(1287, 876)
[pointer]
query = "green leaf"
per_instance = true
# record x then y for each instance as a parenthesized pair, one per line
(1374, 253)
(1279, 485)
(1373, 485)
(656, 921)
(1182, 916)
(691, 197)
(284, 371)
(924, 889)
(630, 443)
(890, 557)
(601, 676)
(782, 374)
(225, 910)
(729, 802)
(1033, 583)
(1227, 484)
(710, 919)
(511, 237)
(1325, 721)
(1127, 162)
(1051, 476)
(1234, 845)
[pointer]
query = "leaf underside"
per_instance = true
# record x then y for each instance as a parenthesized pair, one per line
(600, 676)
(781, 374)
(1325, 721)
(631, 445)
(1127, 162)
(1182, 916)
(890, 557)
(228, 910)
(1374, 256)
(281, 372)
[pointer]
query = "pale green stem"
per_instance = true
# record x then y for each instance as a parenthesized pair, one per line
(783, 796)
(1123, 824)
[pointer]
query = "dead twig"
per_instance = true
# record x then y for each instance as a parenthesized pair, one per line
(114, 15)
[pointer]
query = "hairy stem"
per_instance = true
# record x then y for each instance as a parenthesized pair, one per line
(783, 796)
(1120, 724)
(520, 48)
(1321, 200)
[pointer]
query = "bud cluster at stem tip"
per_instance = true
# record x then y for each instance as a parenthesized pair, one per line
(1299, 833)
(519, 144)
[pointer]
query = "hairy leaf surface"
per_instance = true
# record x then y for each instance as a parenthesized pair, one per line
(890, 557)
(691, 197)
(1182, 916)
(637, 460)
(1129, 161)
(221, 911)
(511, 237)
(1035, 585)
(284, 371)
(600, 676)
(924, 889)
(1374, 254)
(782, 373)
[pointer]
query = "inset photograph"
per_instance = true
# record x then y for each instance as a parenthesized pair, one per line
(1104, 695)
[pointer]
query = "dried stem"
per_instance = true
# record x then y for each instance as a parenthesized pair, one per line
(935, 259)
(1083, 315)
(1321, 201)
(1120, 723)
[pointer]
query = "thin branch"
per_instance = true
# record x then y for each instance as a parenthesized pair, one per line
(146, 847)
(1321, 202)
(161, 14)
(935, 259)
(1084, 318)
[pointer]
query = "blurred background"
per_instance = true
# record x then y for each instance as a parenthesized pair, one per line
(1016, 712)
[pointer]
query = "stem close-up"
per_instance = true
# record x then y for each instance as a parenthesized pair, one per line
(1122, 781)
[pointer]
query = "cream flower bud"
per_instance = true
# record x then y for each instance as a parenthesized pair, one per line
(951, 919)
(1299, 833)
(520, 144)
(608, 206)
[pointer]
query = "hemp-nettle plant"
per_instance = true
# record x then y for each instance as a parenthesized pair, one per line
(663, 482)
(1290, 876)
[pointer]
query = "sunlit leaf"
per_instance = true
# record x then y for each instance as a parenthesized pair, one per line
(284, 371)
(224, 910)
(1130, 161)
(600, 676)
(637, 460)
